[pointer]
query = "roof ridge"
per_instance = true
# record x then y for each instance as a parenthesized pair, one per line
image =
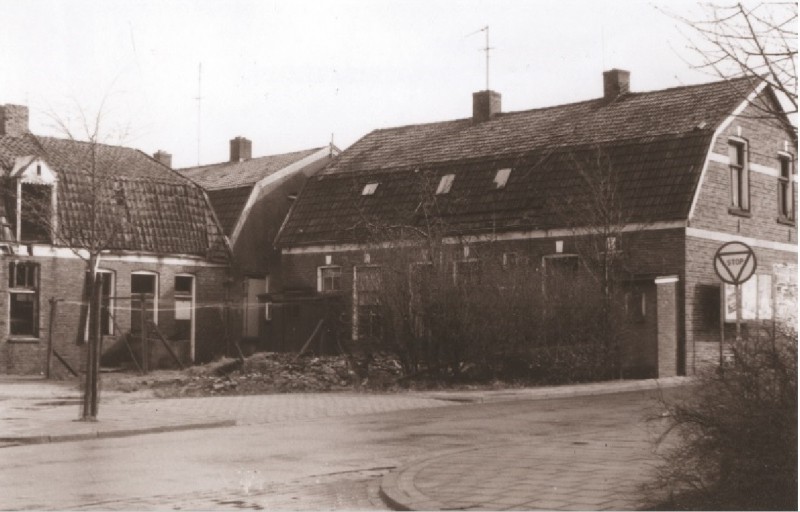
(569, 104)
(217, 164)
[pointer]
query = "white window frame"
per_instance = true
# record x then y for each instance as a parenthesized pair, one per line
(786, 210)
(156, 293)
(35, 290)
(739, 187)
(193, 308)
(320, 280)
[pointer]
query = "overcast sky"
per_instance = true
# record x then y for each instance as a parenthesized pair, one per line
(288, 74)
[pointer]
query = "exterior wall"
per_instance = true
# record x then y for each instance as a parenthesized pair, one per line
(771, 238)
(63, 279)
(254, 254)
(646, 253)
(702, 296)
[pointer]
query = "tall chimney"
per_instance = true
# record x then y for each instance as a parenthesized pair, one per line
(163, 157)
(13, 120)
(485, 105)
(241, 149)
(616, 82)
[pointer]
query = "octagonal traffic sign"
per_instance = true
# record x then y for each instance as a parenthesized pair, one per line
(735, 262)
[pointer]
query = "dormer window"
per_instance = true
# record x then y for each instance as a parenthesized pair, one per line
(369, 189)
(32, 208)
(501, 178)
(445, 184)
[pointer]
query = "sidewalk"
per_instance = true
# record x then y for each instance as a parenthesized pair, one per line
(38, 411)
(596, 470)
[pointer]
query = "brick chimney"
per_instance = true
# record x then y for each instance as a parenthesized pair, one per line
(616, 82)
(241, 149)
(485, 105)
(163, 157)
(13, 120)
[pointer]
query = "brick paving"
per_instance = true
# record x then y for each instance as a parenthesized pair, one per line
(358, 490)
(597, 471)
(42, 422)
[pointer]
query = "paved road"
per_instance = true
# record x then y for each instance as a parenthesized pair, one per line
(321, 462)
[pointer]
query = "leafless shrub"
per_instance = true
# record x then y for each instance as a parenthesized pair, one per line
(732, 444)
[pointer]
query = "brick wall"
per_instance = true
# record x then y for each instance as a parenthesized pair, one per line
(62, 278)
(646, 253)
(765, 139)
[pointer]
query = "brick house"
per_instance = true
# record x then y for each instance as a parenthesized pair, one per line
(164, 253)
(251, 197)
(695, 166)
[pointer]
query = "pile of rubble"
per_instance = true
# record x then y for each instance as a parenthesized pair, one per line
(270, 372)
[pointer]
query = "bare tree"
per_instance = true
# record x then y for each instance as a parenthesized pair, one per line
(98, 223)
(748, 38)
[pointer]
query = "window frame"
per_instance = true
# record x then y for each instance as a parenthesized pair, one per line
(109, 308)
(191, 295)
(739, 189)
(357, 333)
(33, 288)
(321, 279)
(156, 292)
(786, 189)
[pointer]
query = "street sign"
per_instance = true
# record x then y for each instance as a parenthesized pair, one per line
(735, 262)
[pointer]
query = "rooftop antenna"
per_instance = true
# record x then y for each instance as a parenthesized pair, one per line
(199, 99)
(486, 49)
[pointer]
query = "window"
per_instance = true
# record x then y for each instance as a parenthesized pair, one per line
(368, 314)
(501, 178)
(369, 189)
(510, 260)
(144, 291)
(23, 285)
(445, 184)
(740, 186)
(329, 279)
(786, 189)
(635, 306)
(31, 216)
(558, 270)
(184, 307)
(106, 278)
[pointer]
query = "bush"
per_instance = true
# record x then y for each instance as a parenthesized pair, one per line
(736, 444)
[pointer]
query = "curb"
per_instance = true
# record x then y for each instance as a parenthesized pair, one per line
(397, 487)
(26, 440)
(566, 391)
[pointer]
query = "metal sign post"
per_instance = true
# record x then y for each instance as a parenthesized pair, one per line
(735, 263)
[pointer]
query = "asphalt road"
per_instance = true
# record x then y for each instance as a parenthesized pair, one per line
(333, 463)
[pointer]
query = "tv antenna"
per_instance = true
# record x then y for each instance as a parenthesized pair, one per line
(486, 49)
(199, 99)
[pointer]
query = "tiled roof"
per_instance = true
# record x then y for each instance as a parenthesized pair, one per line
(653, 144)
(653, 180)
(247, 172)
(228, 204)
(144, 205)
(633, 115)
